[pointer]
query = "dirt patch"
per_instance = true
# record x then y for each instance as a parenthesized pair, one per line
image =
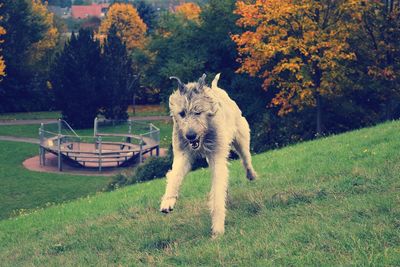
(51, 166)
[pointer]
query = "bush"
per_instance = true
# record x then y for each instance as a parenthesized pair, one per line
(151, 169)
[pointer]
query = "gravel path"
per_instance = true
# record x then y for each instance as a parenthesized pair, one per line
(22, 122)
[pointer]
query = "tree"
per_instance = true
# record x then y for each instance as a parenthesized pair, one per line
(147, 13)
(297, 48)
(28, 42)
(379, 40)
(75, 79)
(42, 49)
(82, 2)
(178, 51)
(130, 27)
(189, 11)
(2, 63)
(118, 77)
(60, 3)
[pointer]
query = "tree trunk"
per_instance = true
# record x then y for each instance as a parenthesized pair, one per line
(317, 83)
(319, 113)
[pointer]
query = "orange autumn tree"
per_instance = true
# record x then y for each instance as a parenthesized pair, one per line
(50, 36)
(130, 27)
(2, 63)
(296, 46)
(190, 11)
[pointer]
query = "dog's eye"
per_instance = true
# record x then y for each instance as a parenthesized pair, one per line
(182, 114)
(197, 113)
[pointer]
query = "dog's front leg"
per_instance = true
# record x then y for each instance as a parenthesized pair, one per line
(219, 166)
(180, 167)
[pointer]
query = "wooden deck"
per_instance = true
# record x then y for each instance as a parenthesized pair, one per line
(104, 153)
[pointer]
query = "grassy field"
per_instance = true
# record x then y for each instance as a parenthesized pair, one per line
(31, 115)
(140, 110)
(330, 202)
(148, 110)
(32, 131)
(21, 189)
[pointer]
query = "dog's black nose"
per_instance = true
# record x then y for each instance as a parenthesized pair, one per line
(191, 135)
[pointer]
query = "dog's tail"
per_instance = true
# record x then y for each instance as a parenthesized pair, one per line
(214, 83)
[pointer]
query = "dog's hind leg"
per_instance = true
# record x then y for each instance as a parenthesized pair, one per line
(180, 167)
(241, 143)
(219, 166)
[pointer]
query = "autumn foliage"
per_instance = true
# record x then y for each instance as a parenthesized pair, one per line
(130, 27)
(2, 63)
(50, 36)
(189, 11)
(295, 46)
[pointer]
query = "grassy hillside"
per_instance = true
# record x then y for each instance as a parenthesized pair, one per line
(21, 189)
(333, 201)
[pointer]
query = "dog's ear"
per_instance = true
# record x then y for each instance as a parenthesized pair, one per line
(214, 83)
(182, 88)
(201, 83)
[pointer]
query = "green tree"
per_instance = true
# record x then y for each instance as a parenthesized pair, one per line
(186, 49)
(29, 38)
(82, 2)
(75, 79)
(178, 51)
(118, 77)
(60, 3)
(379, 42)
(148, 14)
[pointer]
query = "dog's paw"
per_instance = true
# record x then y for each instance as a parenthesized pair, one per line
(217, 233)
(167, 204)
(251, 175)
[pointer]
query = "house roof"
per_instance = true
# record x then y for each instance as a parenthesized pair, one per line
(94, 10)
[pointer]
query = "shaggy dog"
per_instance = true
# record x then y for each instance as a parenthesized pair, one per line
(206, 123)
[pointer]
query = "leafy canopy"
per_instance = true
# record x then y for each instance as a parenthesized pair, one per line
(2, 63)
(130, 27)
(295, 46)
(50, 36)
(189, 11)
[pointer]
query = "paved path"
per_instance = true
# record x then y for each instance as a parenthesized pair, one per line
(22, 122)
(19, 139)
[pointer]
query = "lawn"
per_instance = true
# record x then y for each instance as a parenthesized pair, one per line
(32, 131)
(140, 111)
(21, 189)
(39, 115)
(330, 202)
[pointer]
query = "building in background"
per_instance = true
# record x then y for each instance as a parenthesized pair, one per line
(93, 10)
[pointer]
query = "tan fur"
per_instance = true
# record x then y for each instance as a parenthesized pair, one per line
(213, 116)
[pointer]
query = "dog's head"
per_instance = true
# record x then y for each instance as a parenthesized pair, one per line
(192, 108)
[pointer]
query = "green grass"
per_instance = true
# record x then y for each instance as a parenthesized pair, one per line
(148, 110)
(31, 115)
(140, 111)
(32, 131)
(330, 202)
(21, 189)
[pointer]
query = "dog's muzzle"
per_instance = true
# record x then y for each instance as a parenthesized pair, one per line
(193, 139)
(195, 143)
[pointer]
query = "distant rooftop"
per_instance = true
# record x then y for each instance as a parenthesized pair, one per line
(93, 10)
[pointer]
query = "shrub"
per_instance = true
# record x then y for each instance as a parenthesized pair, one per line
(151, 169)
